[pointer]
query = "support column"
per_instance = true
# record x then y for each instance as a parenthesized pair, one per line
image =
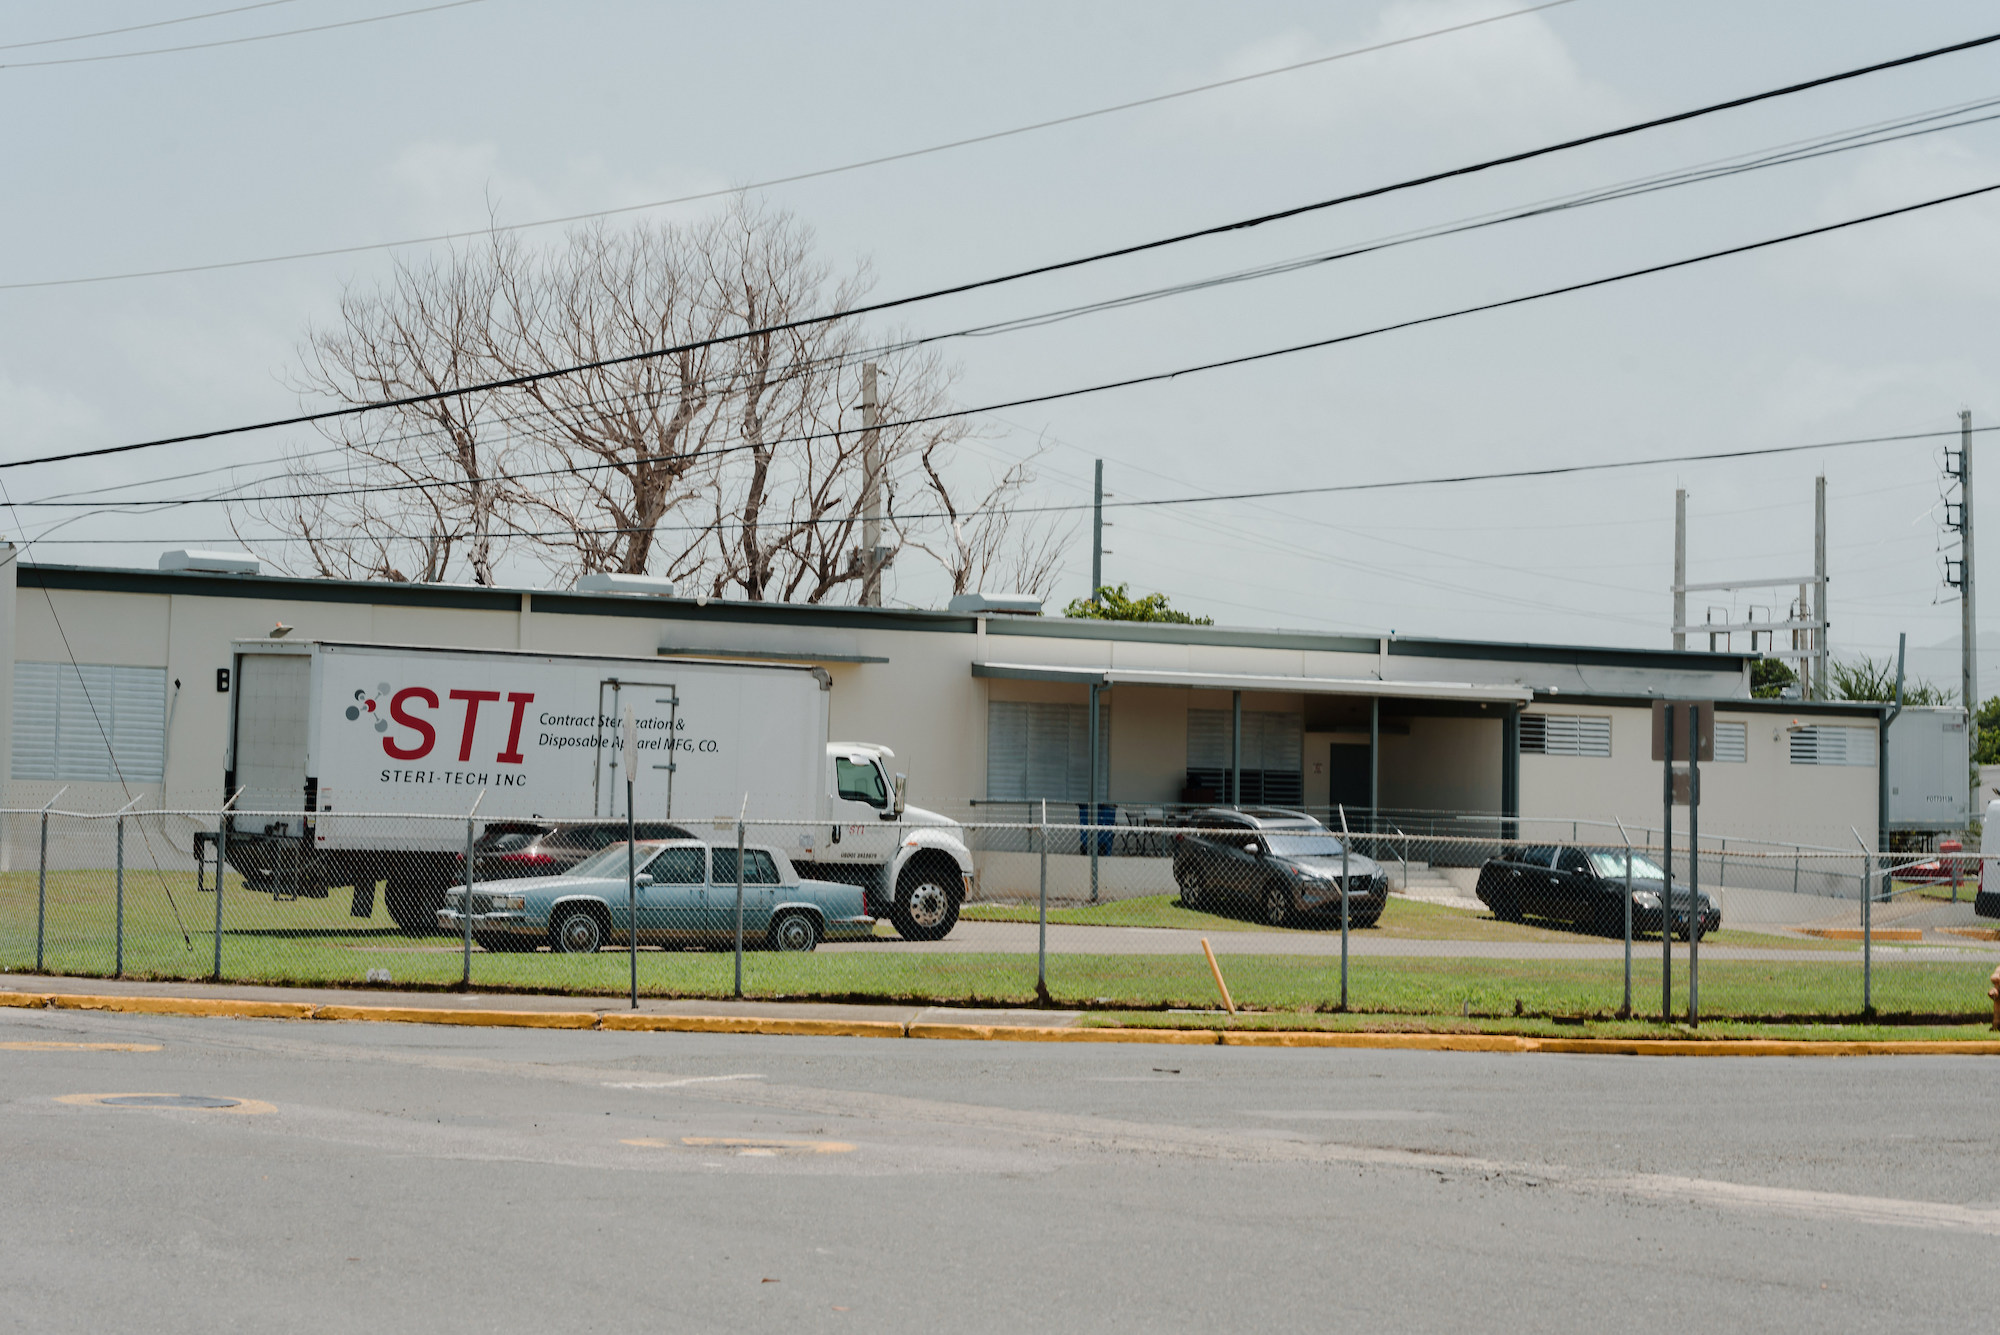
(1510, 773)
(1236, 749)
(1374, 763)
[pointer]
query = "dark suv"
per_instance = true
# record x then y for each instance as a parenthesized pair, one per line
(1281, 865)
(510, 849)
(1585, 887)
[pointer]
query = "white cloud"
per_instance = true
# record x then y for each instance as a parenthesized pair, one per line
(448, 185)
(1507, 79)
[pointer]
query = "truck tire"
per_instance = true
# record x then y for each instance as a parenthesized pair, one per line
(793, 931)
(927, 895)
(415, 906)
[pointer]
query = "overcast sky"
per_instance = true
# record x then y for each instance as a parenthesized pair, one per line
(408, 127)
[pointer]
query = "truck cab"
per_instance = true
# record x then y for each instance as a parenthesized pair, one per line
(913, 864)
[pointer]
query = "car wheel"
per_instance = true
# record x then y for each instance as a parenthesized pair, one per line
(926, 908)
(794, 932)
(1192, 895)
(1365, 918)
(1277, 904)
(577, 931)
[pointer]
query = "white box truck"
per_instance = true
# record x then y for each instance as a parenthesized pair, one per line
(330, 743)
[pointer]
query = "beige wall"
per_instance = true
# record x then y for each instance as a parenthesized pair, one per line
(923, 702)
(1765, 796)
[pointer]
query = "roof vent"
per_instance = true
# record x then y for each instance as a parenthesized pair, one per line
(214, 563)
(646, 584)
(1015, 604)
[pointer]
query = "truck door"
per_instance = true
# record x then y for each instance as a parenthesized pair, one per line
(656, 702)
(861, 799)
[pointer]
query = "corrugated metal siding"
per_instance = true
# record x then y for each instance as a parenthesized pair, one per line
(65, 713)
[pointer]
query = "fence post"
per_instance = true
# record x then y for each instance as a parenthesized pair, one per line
(1042, 914)
(1795, 869)
(1867, 926)
(739, 896)
(42, 891)
(222, 871)
(465, 916)
(1694, 866)
(118, 970)
(1345, 886)
(1625, 1012)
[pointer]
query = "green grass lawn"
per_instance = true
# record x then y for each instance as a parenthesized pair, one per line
(314, 942)
(1403, 919)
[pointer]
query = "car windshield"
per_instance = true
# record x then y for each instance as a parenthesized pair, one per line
(611, 861)
(1318, 844)
(1610, 865)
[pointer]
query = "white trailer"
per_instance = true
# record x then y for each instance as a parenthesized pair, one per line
(330, 743)
(1930, 770)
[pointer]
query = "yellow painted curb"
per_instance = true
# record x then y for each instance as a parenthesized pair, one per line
(29, 1000)
(1267, 1038)
(1026, 1034)
(749, 1024)
(1856, 934)
(476, 1018)
(223, 1007)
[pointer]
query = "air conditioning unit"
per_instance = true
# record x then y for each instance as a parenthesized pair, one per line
(212, 563)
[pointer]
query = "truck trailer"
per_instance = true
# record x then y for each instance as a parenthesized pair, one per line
(342, 757)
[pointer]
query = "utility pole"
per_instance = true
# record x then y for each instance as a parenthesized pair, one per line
(1823, 623)
(1968, 609)
(1097, 536)
(871, 491)
(1680, 568)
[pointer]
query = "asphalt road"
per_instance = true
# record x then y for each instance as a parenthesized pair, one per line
(399, 1178)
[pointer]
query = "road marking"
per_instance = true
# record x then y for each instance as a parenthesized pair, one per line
(156, 1099)
(1879, 1210)
(676, 1084)
(756, 1147)
(79, 1047)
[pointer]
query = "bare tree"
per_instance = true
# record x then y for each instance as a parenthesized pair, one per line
(732, 465)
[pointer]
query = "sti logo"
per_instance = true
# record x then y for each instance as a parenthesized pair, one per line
(400, 711)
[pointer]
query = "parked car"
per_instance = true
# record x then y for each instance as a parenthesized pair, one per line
(511, 848)
(1585, 887)
(1283, 866)
(686, 897)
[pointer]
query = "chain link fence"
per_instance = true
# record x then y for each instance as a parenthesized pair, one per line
(1140, 909)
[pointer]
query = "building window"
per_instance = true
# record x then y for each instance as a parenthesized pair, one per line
(1833, 746)
(1273, 758)
(1036, 751)
(92, 723)
(1566, 735)
(1732, 743)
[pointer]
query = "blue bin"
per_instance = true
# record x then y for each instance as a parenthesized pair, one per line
(1107, 814)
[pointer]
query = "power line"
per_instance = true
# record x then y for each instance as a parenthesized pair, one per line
(1269, 354)
(795, 177)
(1244, 224)
(1206, 498)
(140, 27)
(1846, 140)
(235, 41)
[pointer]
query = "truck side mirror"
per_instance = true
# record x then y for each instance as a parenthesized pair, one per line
(902, 792)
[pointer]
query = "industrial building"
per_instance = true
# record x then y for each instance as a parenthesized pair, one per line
(986, 708)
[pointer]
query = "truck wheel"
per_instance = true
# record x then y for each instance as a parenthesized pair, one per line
(414, 907)
(577, 931)
(794, 931)
(926, 906)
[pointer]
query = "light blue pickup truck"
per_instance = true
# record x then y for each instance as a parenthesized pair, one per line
(686, 897)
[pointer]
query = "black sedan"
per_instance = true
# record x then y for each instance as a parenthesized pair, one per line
(1585, 887)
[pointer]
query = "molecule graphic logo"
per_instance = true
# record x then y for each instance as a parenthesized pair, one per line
(366, 706)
